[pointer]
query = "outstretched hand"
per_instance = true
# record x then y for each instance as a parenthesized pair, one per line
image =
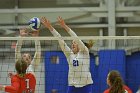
(46, 23)
(62, 23)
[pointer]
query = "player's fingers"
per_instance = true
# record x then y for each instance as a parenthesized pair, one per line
(42, 20)
(58, 19)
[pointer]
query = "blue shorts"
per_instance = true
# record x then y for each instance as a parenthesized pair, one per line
(84, 89)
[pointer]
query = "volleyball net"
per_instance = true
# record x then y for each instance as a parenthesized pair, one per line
(107, 53)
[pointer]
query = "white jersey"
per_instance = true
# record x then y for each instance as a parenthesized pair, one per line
(36, 58)
(79, 74)
(79, 64)
(30, 69)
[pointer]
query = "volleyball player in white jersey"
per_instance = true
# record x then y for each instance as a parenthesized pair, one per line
(79, 77)
(32, 63)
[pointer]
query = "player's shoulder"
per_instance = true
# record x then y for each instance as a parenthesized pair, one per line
(15, 77)
(127, 89)
(30, 75)
(106, 91)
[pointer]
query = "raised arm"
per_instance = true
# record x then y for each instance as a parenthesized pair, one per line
(23, 33)
(37, 56)
(18, 50)
(62, 43)
(72, 33)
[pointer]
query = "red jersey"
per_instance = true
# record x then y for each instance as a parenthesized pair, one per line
(127, 90)
(24, 84)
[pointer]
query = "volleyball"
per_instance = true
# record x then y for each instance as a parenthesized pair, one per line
(34, 23)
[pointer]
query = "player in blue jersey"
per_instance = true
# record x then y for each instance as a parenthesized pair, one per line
(79, 77)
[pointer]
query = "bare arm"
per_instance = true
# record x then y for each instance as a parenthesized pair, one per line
(18, 50)
(23, 32)
(37, 56)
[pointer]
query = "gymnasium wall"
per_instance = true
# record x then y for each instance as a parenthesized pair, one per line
(56, 72)
(133, 71)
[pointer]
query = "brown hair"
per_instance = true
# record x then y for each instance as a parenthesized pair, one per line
(89, 44)
(116, 82)
(21, 67)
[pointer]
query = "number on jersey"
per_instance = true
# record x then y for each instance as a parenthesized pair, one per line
(75, 63)
(27, 83)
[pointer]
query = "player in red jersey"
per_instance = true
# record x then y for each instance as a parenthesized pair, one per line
(115, 83)
(21, 82)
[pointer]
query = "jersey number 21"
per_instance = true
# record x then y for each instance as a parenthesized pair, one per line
(75, 63)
